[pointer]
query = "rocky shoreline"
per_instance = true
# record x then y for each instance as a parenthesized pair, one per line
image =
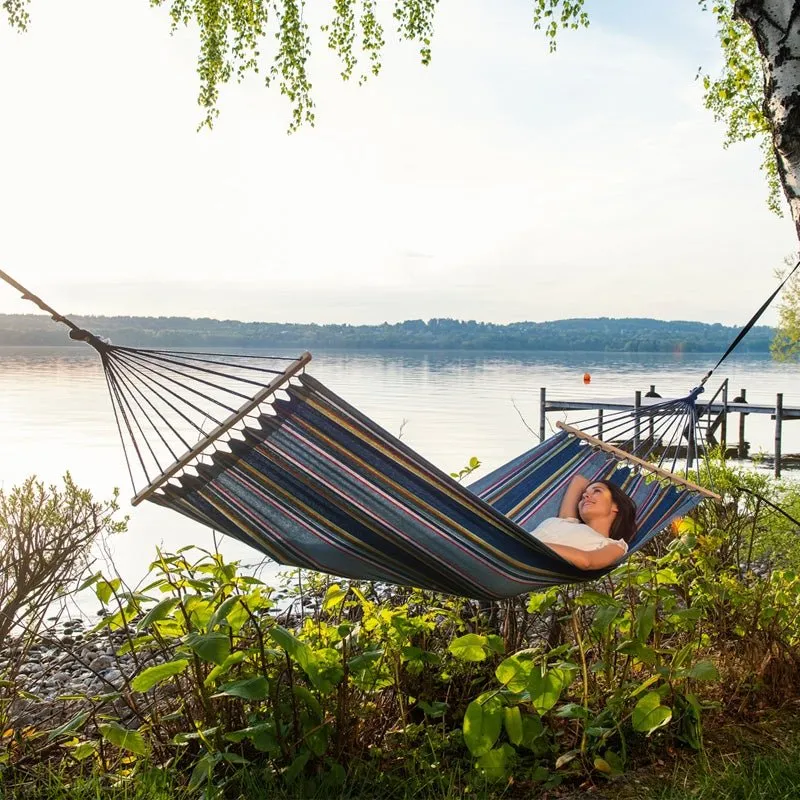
(67, 668)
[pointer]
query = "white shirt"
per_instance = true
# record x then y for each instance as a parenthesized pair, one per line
(574, 533)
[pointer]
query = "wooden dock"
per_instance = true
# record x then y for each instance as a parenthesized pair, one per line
(716, 411)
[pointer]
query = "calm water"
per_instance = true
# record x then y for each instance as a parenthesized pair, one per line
(55, 415)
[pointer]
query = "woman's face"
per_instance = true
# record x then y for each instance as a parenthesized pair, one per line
(596, 503)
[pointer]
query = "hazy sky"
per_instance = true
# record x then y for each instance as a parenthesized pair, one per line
(501, 183)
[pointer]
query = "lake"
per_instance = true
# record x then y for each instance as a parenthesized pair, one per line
(56, 415)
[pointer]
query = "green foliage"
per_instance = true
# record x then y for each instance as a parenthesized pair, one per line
(385, 685)
(554, 15)
(786, 344)
(736, 96)
(631, 335)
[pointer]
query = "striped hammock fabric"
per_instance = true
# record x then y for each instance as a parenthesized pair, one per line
(319, 485)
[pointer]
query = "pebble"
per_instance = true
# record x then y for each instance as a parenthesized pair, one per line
(67, 663)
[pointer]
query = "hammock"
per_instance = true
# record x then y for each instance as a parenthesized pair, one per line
(296, 472)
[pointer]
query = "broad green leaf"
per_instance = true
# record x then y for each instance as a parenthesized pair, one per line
(545, 689)
(201, 773)
(105, 588)
(158, 612)
(213, 647)
(649, 714)
(294, 769)
(513, 673)
(512, 720)
(70, 726)
(532, 729)
(645, 619)
(635, 648)
(261, 735)
(223, 669)
(151, 676)
(333, 597)
(496, 644)
(604, 617)
(83, 750)
(311, 702)
(247, 689)
(540, 601)
(494, 763)
(225, 608)
(572, 711)
(704, 671)
(471, 647)
(433, 710)
(482, 723)
(124, 738)
(298, 650)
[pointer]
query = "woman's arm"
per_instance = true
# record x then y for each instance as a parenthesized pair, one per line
(589, 559)
(569, 504)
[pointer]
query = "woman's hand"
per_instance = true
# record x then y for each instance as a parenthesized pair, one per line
(569, 504)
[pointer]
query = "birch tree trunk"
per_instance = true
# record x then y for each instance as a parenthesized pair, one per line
(776, 27)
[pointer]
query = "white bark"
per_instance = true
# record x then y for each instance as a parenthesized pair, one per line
(776, 27)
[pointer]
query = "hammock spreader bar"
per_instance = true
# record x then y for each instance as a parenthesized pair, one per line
(293, 369)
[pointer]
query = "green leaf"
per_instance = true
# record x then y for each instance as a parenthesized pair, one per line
(532, 729)
(247, 689)
(261, 735)
(70, 726)
(645, 620)
(105, 588)
(433, 710)
(151, 676)
(572, 711)
(333, 597)
(649, 714)
(225, 608)
(704, 671)
(202, 772)
(482, 724)
(296, 649)
(158, 612)
(293, 771)
(471, 647)
(494, 763)
(213, 647)
(512, 720)
(123, 738)
(311, 702)
(513, 673)
(545, 689)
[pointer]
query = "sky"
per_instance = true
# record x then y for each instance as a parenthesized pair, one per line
(501, 183)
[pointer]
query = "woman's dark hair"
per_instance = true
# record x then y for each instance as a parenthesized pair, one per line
(624, 524)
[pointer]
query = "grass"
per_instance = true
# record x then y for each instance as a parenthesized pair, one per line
(743, 763)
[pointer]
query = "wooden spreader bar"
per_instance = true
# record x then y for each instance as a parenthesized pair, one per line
(296, 366)
(621, 454)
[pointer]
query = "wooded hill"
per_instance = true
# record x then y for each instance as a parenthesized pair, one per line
(595, 335)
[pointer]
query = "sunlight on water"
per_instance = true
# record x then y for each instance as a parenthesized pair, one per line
(55, 414)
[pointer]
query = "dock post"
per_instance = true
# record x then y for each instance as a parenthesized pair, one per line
(778, 420)
(723, 430)
(542, 412)
(742, 451)
(600, 424)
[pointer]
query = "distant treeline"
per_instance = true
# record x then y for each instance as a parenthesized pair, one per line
(596, 335)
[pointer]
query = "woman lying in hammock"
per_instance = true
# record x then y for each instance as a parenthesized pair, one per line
(594, 524)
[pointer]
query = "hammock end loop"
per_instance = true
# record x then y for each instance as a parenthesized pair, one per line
(81, 335)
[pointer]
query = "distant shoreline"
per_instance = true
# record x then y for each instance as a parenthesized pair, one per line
(600, 335)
